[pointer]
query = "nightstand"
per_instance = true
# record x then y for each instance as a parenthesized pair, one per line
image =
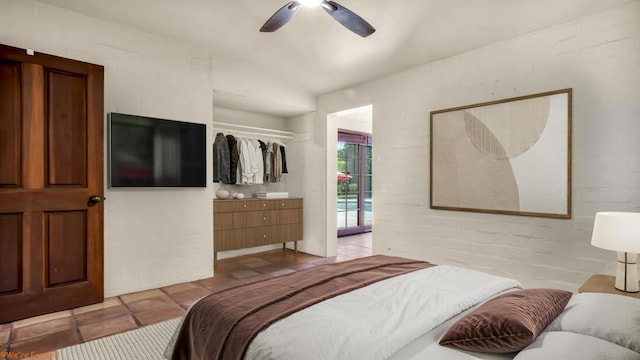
(604, 284)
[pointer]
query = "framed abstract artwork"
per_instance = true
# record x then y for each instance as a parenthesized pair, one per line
(510, 156)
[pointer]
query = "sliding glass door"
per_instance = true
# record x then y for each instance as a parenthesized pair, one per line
(355, 180)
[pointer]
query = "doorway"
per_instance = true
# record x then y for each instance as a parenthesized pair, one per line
(354, 183)
(351, 145)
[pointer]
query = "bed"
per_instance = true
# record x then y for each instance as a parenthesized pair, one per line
(383, 307)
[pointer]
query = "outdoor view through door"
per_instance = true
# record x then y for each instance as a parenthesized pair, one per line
(355, 179)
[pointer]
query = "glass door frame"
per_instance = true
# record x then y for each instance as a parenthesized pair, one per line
(362, 140)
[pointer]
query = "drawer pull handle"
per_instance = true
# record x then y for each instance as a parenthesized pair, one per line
(264, 218)
(264, 236)
(245, 205)
(264, 204)
(282, 204)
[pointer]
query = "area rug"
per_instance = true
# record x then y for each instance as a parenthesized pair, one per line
(147, 343)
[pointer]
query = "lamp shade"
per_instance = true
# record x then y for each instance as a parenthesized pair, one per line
(617, 231)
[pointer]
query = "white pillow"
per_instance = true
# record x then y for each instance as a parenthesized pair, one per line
(609, 317)
(567, 345)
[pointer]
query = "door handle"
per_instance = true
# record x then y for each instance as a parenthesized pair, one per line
(94, 199)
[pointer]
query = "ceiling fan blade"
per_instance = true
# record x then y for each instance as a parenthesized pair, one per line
(281, 17)
(348, 18)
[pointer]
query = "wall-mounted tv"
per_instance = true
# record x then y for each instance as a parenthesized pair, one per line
(150, 152)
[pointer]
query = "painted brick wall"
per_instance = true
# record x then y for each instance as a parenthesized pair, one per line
(597, 56)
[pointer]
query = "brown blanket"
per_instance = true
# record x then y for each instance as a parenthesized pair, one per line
(222, 325)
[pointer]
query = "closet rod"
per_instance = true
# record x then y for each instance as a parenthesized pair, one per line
(254, 130)
(251, 134)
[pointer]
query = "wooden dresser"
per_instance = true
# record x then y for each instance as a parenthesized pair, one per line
(246, 223)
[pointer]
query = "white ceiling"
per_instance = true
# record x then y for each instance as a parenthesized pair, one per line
(315, 55)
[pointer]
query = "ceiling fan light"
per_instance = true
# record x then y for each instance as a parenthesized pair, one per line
(311, 3)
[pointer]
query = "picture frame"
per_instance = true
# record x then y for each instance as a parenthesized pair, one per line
(510, 156)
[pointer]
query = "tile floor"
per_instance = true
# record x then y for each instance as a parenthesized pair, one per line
(46, 333)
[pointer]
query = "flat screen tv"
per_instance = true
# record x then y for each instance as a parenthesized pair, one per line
(150, 152)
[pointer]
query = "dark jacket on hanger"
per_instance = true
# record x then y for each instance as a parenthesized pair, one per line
(233, 164)
(221, 159)
(266, 161)
(284, 161)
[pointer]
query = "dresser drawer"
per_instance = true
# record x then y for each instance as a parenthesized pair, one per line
(230, 239)
(286, 233)
(263, 218)
(287, 203)
(223, 206)
(259, 236)
(223, 221)
(290, 216)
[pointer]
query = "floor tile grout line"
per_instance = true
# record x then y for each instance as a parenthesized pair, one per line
(74, 321)
(170, 298)
(135, 319)
(11, 335)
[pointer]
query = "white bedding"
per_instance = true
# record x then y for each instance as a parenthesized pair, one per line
(427, 347)
(609, 317)
(377, 321)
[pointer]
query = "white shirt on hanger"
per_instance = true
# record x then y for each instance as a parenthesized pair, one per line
(251, 162)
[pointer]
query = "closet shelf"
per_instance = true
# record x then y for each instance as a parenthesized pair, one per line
(252, 131)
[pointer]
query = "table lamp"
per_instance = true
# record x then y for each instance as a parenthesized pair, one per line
(620, 231)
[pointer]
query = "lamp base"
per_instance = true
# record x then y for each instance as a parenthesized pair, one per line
(627, 273)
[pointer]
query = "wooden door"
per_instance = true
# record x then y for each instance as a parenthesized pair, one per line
(51, 184)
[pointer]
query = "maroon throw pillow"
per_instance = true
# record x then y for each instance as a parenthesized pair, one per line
(507, 323)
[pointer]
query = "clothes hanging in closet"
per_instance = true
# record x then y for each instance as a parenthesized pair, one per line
(247, 161)
(284, 160)
(265, 160)
(221, 160)
(276, 163)
(251, 162)
(234, 158)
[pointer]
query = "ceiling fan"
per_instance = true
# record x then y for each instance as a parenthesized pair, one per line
(341, 14)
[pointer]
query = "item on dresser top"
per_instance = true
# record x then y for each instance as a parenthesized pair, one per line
(223, 194)
(272, 195)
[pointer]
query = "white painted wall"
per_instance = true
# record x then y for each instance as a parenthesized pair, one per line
(153, 237)
(248, 118)
(308, 178)
(597, 56)
(346, 123)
